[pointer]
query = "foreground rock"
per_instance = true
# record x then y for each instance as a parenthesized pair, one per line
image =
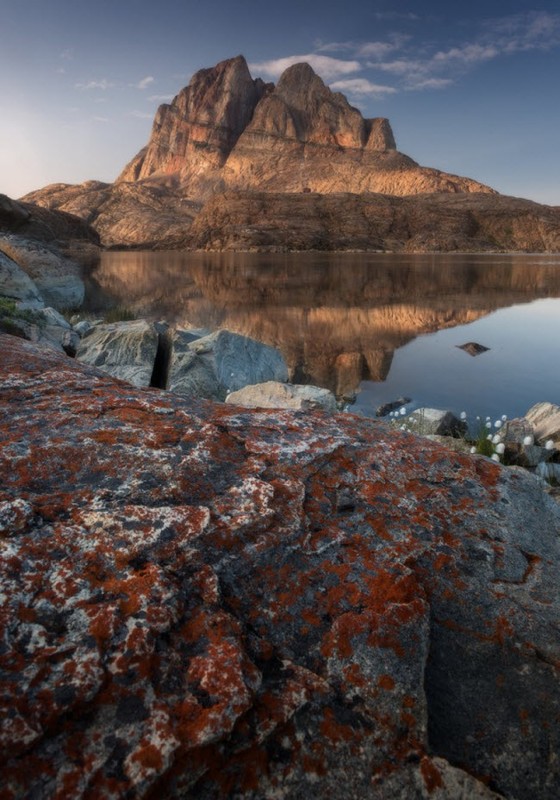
(222, 362)
(215, 603)
(125, 350)
(23, 311)
(57, 278)
(273, 394)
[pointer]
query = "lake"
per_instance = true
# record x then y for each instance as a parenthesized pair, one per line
(373, 326)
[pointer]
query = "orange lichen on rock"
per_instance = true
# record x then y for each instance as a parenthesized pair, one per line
(202, 601)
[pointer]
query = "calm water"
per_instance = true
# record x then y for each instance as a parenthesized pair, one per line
(374, 325)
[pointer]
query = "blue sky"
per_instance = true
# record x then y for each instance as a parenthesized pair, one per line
(471, 88)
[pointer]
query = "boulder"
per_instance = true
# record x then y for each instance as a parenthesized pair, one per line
(204, 602)
(125, 350)
(16, 285)
(57, 278)
(473, 348)
(434, 421)
(273, 394)
(393, 405)
(545, 419)
(212, 366)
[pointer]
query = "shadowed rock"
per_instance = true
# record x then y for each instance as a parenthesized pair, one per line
(205, 602)
(473, 348)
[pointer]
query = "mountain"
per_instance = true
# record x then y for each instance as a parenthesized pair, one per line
(229, 139)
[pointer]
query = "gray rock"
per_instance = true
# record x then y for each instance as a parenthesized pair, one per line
(16, 285)
(125, 350)
(273, 394)
(426, 421)
(545, 419)
(222, 362)
(82, 327)
(473, 348)
(550, 472)
(386, 408)
(57, 278)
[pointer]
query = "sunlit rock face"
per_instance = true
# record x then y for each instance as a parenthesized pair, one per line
(204, 601)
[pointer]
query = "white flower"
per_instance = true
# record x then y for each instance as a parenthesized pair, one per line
(528, 441)
(496, 438)
(403, 411)
(489, 437)
(478, 416)
(500, 448)
(498, 423)
(549, 445)
(473, 449)
(463, 415)
(504, 417)
(495, 457)
(487, 419)
(488, 424)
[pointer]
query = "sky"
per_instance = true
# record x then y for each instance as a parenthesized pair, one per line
(470, 88)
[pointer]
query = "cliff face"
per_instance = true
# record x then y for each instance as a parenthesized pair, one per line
(227, 130)
(192, 138)
(201, 602)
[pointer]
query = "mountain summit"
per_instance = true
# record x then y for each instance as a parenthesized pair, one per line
(228, 131)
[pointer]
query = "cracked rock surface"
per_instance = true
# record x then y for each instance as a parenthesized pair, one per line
(200, 601)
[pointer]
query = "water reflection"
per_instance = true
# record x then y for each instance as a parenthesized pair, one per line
(338, 318)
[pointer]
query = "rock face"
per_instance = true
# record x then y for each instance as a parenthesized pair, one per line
(125, 214)
(125, 350)
(23, 311)
(192, 138)
(226, 129)
(219, 363)
(204, 602)
(430, 223)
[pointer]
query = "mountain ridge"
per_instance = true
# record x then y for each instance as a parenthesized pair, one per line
(227, 135)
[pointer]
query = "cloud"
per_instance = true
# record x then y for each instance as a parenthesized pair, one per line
(160, 98)
(467, 54)
(429, 83)
(144, 83)
(100, 119)
(327, 67)
(102, 84)
(67, 54)
(379, 50)
(140, 114)
(361, 86)
(534, 30)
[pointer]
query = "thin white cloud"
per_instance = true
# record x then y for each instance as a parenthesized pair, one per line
(467, 54)
(102, 84)
(100, 119)
(144, 83)
(363, 87)
(140, 114)
(160, 98)
(428, 83)
(328, 68)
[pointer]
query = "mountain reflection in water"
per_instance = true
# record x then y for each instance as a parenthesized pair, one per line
(340, 318)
